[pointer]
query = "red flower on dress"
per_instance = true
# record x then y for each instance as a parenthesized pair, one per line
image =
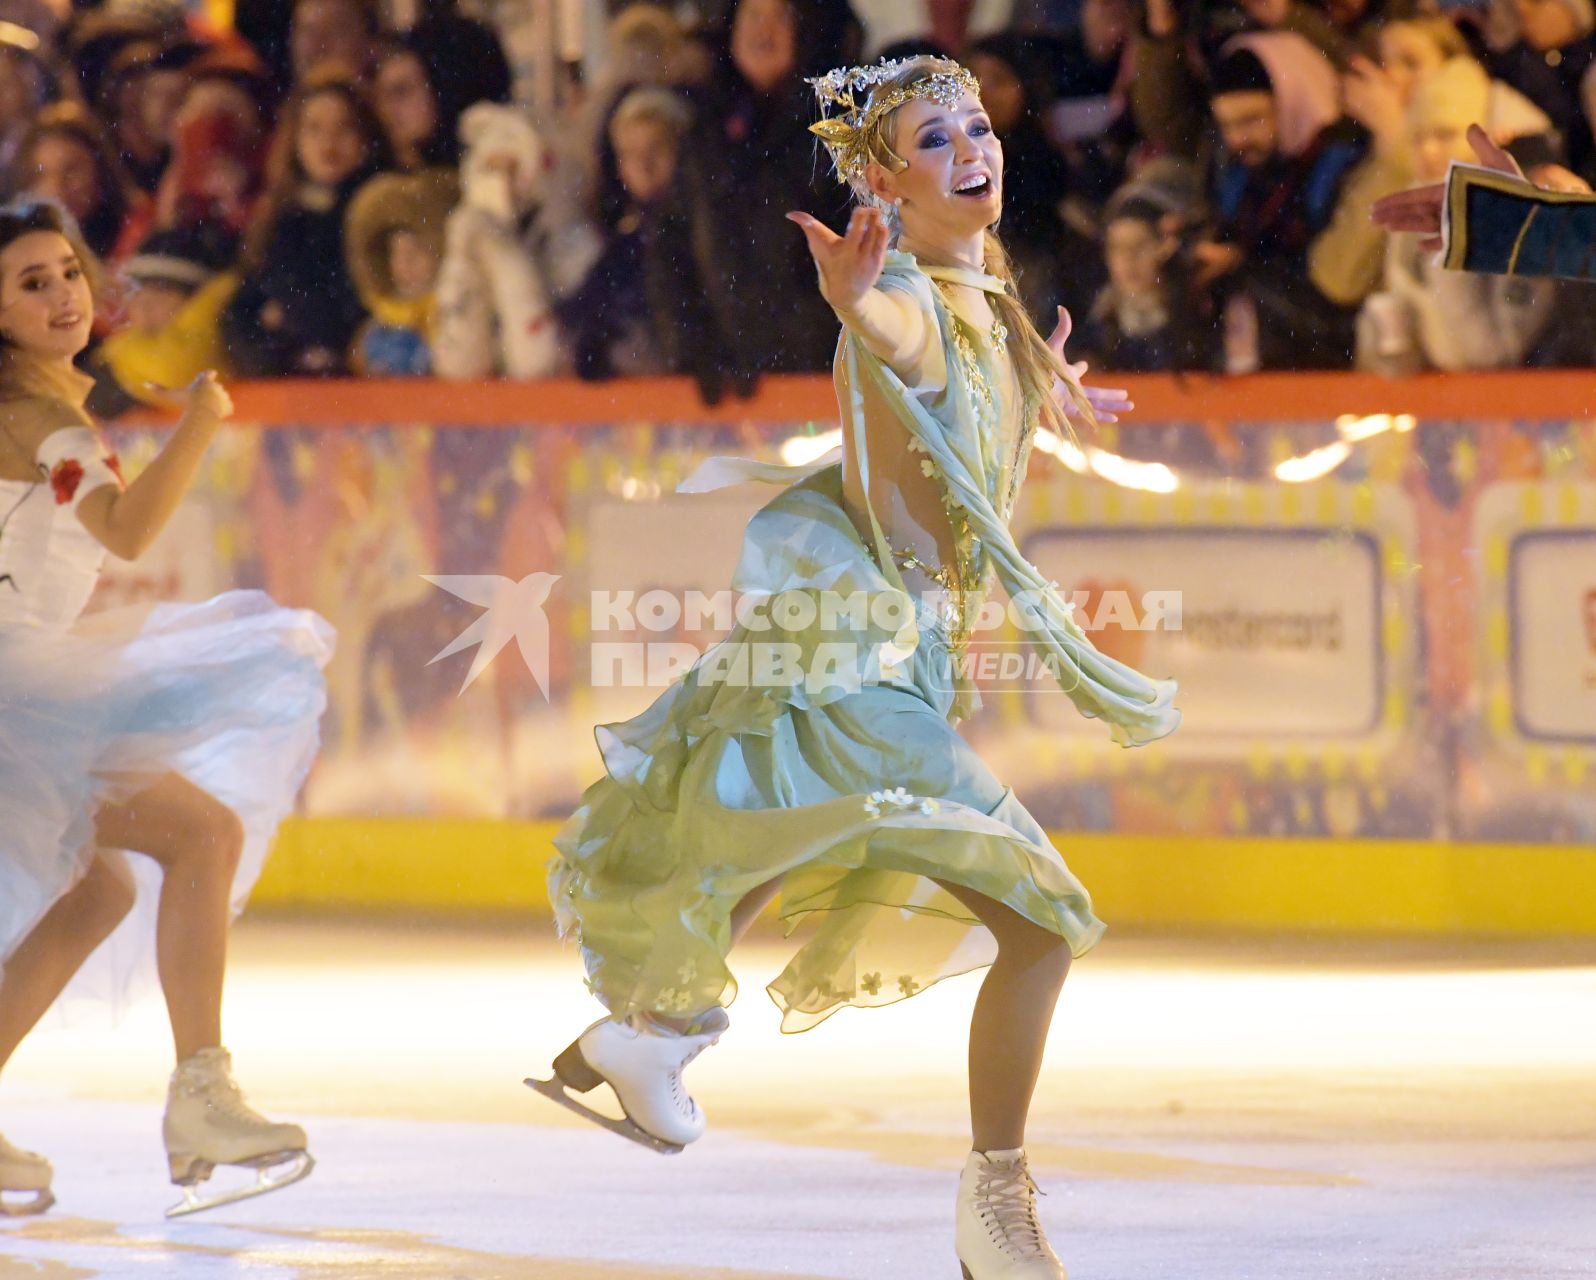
(66, 477)
(115, 464)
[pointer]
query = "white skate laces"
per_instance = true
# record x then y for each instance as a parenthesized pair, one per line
(997, 1231)
(1005, 1197)
(208, 1123)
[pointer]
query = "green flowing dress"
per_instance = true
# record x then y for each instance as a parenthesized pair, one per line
(839, 768)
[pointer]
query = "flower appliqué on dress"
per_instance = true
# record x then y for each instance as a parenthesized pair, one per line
(64, 480)
(908, 985)
(870, 984)
(898, 798)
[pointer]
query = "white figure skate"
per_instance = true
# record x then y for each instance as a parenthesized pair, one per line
(207, 1124)
(996, 1230)
(23, 1173)
(642, 1062)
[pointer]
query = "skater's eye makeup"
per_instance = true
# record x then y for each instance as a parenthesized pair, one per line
(938, 137)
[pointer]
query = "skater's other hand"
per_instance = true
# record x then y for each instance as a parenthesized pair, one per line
(1107, 402)
(1553, 177)
(849, 265)
(1420, 209)
(1491, 155)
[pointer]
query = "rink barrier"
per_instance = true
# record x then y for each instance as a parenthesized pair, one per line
(1362, 886)
(1375, 887)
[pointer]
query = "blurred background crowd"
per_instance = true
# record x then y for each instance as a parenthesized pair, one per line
(527, 188)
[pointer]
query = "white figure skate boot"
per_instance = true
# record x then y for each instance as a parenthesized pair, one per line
(23, 1173)
(642, 1062)
(207, 1124)
(996, 1230)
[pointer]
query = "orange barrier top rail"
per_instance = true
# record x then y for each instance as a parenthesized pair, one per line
(1306, 397)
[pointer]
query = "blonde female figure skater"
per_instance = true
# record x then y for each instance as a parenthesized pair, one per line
(180, 733)
(853, 791)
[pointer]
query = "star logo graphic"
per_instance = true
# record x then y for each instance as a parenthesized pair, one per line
(514, 612)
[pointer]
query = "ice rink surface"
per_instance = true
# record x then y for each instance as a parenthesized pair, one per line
(1210, 1110)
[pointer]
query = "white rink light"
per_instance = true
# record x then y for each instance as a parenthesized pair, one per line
(799, 451)
(1315, 465)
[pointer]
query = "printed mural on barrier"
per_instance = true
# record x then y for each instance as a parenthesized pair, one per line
(1386, 629)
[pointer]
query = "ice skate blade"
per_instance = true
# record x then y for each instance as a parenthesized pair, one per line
(555, 1091)
(41, 1201)
(272, 1173)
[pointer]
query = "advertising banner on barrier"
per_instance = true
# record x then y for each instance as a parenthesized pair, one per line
(1380, 628)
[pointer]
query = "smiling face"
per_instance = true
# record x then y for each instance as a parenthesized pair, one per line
(951, 185)
(46, 308)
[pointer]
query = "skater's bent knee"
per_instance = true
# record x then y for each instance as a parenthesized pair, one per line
(217, 837)
(103, 897)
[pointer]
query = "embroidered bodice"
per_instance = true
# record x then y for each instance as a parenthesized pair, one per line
(949, 396)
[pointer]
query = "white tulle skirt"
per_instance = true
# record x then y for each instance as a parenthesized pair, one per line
(228, 693)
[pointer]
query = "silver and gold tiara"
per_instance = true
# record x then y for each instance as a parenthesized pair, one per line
(850, 104)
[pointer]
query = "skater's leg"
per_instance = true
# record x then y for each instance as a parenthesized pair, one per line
(642, 1058)
(748, 908)
(1012, 1014)
(197, 841)
(69, 932)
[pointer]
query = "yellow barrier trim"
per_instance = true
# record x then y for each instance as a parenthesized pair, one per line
(1363, 886)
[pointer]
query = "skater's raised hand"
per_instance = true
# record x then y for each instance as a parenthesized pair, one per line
(204, 399)
(1107, 402)
(849, 265)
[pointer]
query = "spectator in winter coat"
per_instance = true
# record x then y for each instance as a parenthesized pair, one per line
(394, 237)
(1551, 63)
(1286, 261)
(748, 161)
(297, 310)
(1144, 319)
(615, 323)
(509, 254)
(1427, 317)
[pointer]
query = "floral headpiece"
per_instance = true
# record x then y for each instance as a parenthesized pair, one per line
(851, 91)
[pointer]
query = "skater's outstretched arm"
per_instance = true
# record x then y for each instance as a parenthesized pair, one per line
(128, 520)
(888, 322)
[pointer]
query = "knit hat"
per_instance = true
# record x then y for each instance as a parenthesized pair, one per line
(185, 258)
(1240, 71)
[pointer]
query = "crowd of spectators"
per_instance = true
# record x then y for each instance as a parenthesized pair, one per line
(336, 187)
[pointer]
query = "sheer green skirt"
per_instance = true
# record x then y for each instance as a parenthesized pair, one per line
(855, 788)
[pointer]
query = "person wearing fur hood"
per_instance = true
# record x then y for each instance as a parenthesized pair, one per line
(393, 236)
